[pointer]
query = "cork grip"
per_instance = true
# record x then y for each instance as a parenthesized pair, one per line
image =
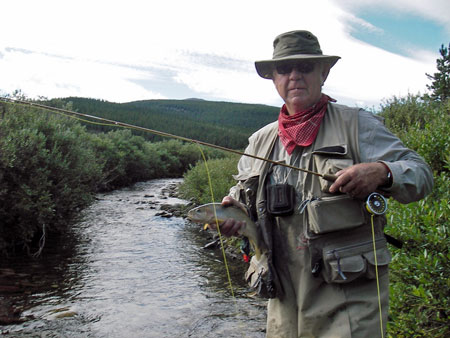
(329, 177)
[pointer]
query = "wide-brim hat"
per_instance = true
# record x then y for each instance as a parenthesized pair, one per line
(294, 45)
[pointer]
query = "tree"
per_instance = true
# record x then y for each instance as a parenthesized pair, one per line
(440, 85)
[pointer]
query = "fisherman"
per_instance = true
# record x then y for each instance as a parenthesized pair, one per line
(322, 269)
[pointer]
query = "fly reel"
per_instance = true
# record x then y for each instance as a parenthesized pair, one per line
(376, 204)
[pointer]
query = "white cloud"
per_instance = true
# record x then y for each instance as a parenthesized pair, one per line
(51, 76)
(367, 74)
(109, 49)
(435, 10)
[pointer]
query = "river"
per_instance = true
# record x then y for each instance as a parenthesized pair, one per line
(125, 271)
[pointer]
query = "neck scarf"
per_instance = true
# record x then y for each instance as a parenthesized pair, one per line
(301, 128)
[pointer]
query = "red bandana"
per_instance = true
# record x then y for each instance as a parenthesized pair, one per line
(301, 128)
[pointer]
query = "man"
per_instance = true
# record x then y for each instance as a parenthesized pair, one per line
(323, 271)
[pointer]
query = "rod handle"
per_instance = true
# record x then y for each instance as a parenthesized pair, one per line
(329, 177)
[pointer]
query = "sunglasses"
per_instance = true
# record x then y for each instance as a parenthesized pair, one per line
(302, 67)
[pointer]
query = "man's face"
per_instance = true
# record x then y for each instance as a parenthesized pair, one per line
(300, 83)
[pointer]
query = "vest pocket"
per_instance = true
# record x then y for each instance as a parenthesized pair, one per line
(383, 260)
(256, 275)
(335, 213)
(343, 264)
(329, 160)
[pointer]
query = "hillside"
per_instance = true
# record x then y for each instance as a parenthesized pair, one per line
(221, 123)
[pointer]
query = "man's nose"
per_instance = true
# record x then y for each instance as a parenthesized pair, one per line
(295, 73)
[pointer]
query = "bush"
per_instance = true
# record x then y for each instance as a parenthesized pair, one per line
(196, 185)
(124, 158)
(50, 168)
(179, 156)
(420, 305)
(403, 113)
(423, 126)
(420, 270)
(47, 174)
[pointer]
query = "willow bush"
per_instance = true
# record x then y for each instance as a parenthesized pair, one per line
(47, 174)
(51, 167)
(420, 271)
(423, 126)
(196, 186)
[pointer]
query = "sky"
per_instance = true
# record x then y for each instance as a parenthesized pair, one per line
(123, 51)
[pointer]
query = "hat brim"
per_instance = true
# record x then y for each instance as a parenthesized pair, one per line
(264, 68)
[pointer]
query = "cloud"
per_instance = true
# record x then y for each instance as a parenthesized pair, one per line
(372, 74)
(435, 10)
(123, 51)
(38, 74)
(361, 24)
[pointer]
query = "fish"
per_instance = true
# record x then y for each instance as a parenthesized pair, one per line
(207, 213)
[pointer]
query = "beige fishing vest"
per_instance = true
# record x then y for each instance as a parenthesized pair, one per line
(338, 228)
(336, 147)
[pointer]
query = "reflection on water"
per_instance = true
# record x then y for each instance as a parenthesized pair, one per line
(132, 273)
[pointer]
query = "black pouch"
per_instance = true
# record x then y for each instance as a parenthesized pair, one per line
(280, 199)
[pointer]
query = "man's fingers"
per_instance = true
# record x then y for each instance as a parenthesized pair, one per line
(229, 201)
(359, 180)
(231, 227)
(340, 183)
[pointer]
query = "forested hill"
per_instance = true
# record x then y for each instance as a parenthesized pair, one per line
(221, 123)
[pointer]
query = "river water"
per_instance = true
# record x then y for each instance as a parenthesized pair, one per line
(131, 273)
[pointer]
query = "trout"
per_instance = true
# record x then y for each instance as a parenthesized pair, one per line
(204, 214)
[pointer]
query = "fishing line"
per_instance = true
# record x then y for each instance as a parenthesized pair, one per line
(217, 223)
(376, 277)
(376, 204)
(222, 246)
(109, 122)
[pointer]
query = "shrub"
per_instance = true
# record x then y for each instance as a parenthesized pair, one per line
(420, 305)
(196, 185)
(178, 156)
(123, 156)
(403, 113)
(420, 270)
(423, 126)
(47, 174)
(50, 168)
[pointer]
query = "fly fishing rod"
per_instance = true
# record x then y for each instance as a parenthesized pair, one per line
(328, 177)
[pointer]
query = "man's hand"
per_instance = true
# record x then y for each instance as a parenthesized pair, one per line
(231, 227)
(360, 179)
